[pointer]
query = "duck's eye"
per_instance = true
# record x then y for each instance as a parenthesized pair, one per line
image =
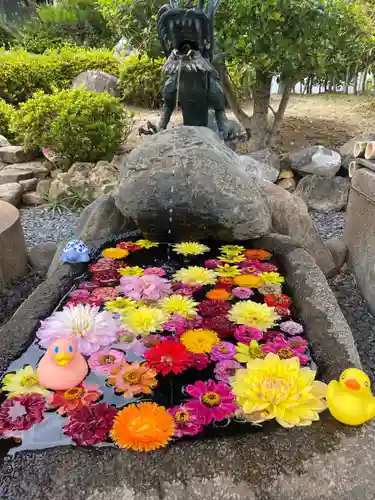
(56, 349)
(343, 377)
(366, 384)
(70, 348)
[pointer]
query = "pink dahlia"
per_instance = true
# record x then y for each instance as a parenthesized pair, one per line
(245, 334)
(285, 350)
(147, 287)
(199, 361)
(225, 369)
(20, 413)
(265, 267)
(91, 328)
(291, 327)
(178, 325)
(158, 271)
(242, 293)
(223, 350)
(210, 308)
(74, 398)
(185, 421)
(213, 263)
(211, 401)
(220, 324)
(90, 424)
(102, 362)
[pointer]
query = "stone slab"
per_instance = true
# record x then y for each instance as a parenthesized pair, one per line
(16, 154)
(14, 175)
(11, 193)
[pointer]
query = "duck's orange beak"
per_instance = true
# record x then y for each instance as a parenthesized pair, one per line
(352, 384)
(63, 359)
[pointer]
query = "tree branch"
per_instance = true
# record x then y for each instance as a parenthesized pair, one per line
(279, 115)
(273, 111)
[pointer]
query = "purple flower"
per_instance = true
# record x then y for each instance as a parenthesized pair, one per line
(185, 421)
(178, 325)
(291, 327)
(225, 369)
(213, 263)
(242, 293)
(245, 334)
(223, 350)
(285, 350)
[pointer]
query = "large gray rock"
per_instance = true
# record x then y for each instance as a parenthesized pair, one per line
(314, 160)
(41, 255)
(267, 156)
(39, 169)
(8, 175)
(97, 81)
(11, 193)
(4, 141)
(322, 194)
(184, 183)
(259, 169)
(16, 154)
(346, 150)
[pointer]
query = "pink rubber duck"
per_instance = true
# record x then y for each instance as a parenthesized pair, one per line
(62, 367)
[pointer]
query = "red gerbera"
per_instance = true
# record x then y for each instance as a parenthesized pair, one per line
(277, 299)
(168, 357)
(220, 324)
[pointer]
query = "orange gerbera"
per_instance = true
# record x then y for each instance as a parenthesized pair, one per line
(218, 294)
(143, 427)
(248, 281)
(257, 254)
(115, 253)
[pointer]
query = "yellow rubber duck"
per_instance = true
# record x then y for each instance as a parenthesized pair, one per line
(350, 400)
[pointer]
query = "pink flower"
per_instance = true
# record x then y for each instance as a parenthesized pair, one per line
(102, 362)
(223, 350)
(90, 424)
(20, 413)
(104, 293)
(225, 369)
(185, 421)
(212, 308)
(79, 294)
(199, 361)
(213, 263)
(291, 327)
(245, 334)
(211, 401)
(147, 287)
(186, 290)
(178, 325)
(250, 267)
(266, 267)
(285, 349)
(86, 285)
(158, 271)
(242, 293)
(152, 340)
(297, 342)
(74, 398)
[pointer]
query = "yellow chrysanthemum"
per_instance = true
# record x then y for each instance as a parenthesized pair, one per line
(195, 275)
(190, 248)
(120, 305)
(144, 320)
(252, 314)
(247, 352)
(131, 271)
(24, 381)
(231, 249)
(279, 388)
(271, 278)
(228, 271)
(179, 304)
(115, 253)
(146, 243)
(200, 340)
(231, 259)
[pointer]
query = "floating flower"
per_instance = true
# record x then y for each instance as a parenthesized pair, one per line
(195, 275)
(232, 259)
(158, 271)
(131, 271)
(272, 278)
(199, 361)
(222, 350)
(218, 294)
(146, 244)
(74, 398)
(130, 344)
(144, 320)
(23, 381)
(143, 427)
(180, 305)
(228, 271)
(255, 254)
(103, 362)
(277, 299)
(225, 369)
(90, 424)
(178, 325)
(269, 288)
(291, 327)
(251, 313)
(130, 246)
(212, 263)
(225, 282)
(266, 267)
(93, 329)
(280, 389)
(115, 253)
(241, 292)
(152, 340)
(211, 401)
(190, 248)
(249, 267)
(168, 357)
(247, 352)
(220, 324)
(232, 249)
(283, 312)
(132, 379)
(199, 341)
(79, 294)
(248, 281)
(185, 421)
(185, 290)
(103, 293)
(286, 350)
(147, 287)
(120, 305)
(20, 413)
(211, 308)
(245, 334)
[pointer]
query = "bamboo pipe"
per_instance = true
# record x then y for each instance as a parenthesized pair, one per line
(359, 149)
(370, 151)
(353, 167)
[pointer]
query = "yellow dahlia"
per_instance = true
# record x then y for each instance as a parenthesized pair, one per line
(179, 304)
(200, 340)
(252, 314)
(24, 381)
(247, 352)
(120, 305)
(131, 271)
(271, 278)
(146, 243)
(228, 271)
(115, 253)
(144, 320)
(279, 388)
(231, 249)
(231, 259)
(195, 275)
(190, 248)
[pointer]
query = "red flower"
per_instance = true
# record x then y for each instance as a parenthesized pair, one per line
(21, 413)
(130, 246)
(168, 357)
(210, 308)
(75, 398)
(277, 299)
(90, 424)
(284, 312)
(220, 324)
(199, 361)
(104, 293)
(104, 272)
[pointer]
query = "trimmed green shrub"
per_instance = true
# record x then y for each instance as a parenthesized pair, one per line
(141, 81)
(77, 124)
(6, 114)
(23, 73)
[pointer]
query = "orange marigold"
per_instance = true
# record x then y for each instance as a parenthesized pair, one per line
(218, 294)
(223, 280)
(143, 427)
(257, 254)
(248, 281)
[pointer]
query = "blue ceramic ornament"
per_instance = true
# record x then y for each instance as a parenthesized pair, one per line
(74, 252)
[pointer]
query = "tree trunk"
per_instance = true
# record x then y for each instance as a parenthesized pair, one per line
(259, 120)
(364, 81)
(355, 86)
(279, 116)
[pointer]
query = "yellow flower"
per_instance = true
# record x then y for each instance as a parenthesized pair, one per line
(115, 253)
(279, 388)
(200, 340)
(179, 304)
(228, 271)
(195, 275)
(248, 281)
(247, 352)
(271, 278)
(22, 382)
(232, 259)
(190, 248)
(252, 314)
(131, 271)
(146, 243)
(144, 320)
(231, 249)
(120, 305)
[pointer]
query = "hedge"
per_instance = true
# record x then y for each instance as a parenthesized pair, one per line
(6, 114)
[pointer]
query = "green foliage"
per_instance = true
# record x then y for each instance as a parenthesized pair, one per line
(37, 37)
(75, 123)
(6, 114)
(6, 36)
(23, 73)
(141, 81)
